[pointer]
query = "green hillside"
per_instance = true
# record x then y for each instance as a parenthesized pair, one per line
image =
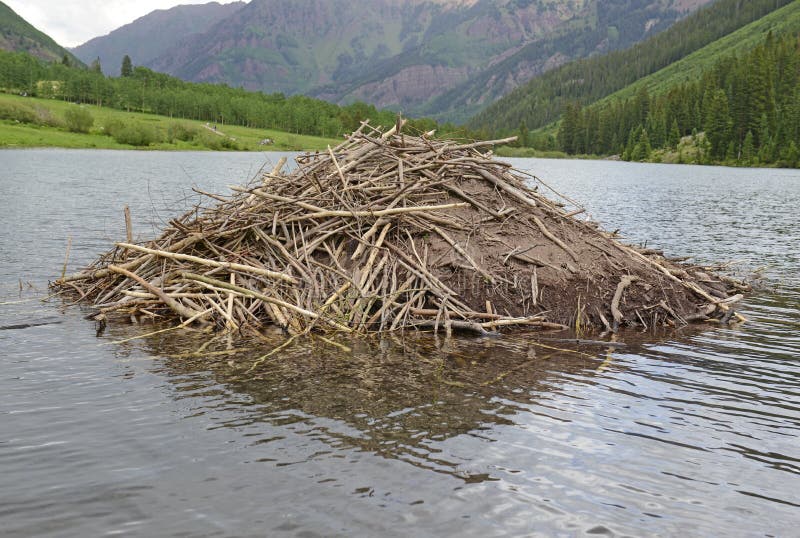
(164, 103)
(785, 20)
(31, 122)
(156, 93)
(738, 98)
(542, 100)
(16, 34)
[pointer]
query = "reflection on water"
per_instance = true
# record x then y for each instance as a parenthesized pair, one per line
(693, 432)
(391, 396)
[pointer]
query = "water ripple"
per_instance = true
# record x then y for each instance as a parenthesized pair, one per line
(687, 433)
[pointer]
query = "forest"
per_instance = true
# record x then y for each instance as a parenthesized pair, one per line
(543, 100)
(745, 110)
(139, 89)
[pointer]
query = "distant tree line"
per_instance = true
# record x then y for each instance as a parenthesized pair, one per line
(140, 89)
(747, 106)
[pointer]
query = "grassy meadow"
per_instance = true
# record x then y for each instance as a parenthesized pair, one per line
(27, 122)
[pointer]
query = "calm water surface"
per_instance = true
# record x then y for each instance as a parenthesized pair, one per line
(693, 433)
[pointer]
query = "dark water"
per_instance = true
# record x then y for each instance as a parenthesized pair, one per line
(683, 434)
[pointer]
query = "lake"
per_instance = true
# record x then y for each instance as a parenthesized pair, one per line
(695, 432)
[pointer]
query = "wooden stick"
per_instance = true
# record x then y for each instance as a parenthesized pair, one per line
(513, 191)
(463, 253)
(554, 239)
(181, 326)
(260, 296)
(338, 169)
(212, 263)
(66, 259)
(133, 264)
(166, 299)
(231, 323)
(128, 225)
(626, 281)
(378, 213)
(453, 324)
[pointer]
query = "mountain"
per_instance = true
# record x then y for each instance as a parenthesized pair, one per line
(602, 26)
(444, 58)
(782, 21)
(154, 34)
(17, 35)
(740, 95)
(543, 99)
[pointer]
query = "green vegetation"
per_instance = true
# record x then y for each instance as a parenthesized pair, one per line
(126, 70)
(34, 122)
(518, 151)
(143, 90)
(78, 120)
(295, 122)
(545, 98)
(783, 21)
(743, 110)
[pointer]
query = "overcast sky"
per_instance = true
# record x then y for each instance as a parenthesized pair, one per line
(73, 22)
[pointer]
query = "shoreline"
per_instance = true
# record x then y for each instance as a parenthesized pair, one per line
(671, 158)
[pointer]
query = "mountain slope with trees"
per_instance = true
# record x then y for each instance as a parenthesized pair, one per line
(445, 58)
(144, 90)
(16, 34)
(738, 98)
(543, 99)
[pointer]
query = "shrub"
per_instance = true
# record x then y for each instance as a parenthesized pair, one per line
(112, 126)
(35, 115)
(181, 131)
(17, 112)
(217, 143)
(45, 116)
(79, 120)
(133, 133)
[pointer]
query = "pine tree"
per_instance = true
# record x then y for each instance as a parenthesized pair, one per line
(791, 155)
(630, 147)
(523, 135)
(569, 133)
(730, 153)
(758, 91)
(642, 104)
(718, 124)
(704, 156)
(748, 148)
(643, 149)
(127, 67)
(674, 135)
(95, 67)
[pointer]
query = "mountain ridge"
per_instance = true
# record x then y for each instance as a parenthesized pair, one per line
(148, 36)
(18, 35)
(408, 55)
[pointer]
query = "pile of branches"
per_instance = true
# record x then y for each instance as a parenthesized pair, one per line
(390, 231)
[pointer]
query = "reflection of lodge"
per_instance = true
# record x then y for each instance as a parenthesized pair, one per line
(395, 397)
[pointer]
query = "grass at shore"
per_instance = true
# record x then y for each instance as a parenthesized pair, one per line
(52, 132)
(509, 151)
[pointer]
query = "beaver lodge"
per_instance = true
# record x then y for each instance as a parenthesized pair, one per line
(389, 232)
